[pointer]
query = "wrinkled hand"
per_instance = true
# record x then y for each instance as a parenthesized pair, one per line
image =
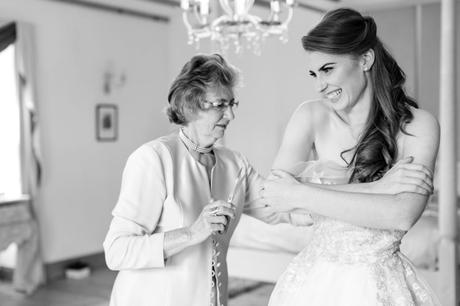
(405, 176)
(275, 190)
(213, 219)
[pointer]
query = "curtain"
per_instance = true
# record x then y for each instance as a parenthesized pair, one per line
(32, 169)
(7, 35)
(29, 269)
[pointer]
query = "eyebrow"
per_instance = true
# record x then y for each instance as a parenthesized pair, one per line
(322, 67)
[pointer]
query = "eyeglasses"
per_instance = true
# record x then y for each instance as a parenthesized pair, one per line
(221, 105)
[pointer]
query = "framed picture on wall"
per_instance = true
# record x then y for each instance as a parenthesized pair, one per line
(106, 122)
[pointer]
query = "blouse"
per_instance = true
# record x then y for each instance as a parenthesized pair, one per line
(164, 188)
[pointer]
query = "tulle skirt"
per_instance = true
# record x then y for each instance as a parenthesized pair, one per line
(393, 281)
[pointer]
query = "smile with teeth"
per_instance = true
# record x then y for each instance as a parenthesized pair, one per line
(334, 94)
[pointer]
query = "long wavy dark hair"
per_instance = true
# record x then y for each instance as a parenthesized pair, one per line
(345, 31)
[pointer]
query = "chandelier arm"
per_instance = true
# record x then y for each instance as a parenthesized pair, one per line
(226, 7)
(187, 24)
(235, 24)
(289, 17)
(201, 19)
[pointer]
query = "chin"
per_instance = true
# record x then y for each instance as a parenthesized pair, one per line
(339, 105)
(219, 134)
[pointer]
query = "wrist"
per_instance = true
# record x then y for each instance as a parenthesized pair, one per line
(193, 236)
(291, 194)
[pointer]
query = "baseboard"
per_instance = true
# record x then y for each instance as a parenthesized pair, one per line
(56, 270)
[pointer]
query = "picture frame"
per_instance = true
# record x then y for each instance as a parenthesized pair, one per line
(106, 122)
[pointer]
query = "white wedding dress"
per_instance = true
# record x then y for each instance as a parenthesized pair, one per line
(348, 265)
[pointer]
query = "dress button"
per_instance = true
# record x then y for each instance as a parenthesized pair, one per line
(217, 244)
(218, 264)
(218, 253)
(218, 274)
(220, 284)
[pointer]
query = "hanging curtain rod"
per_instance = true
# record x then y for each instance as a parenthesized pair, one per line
(118, 10)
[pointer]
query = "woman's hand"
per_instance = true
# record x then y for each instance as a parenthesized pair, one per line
(405, 176)
(275, 190)
(213, 219)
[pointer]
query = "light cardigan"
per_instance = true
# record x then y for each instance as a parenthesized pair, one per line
(165, 188)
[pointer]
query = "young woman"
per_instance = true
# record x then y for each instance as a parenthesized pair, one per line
(375, 154)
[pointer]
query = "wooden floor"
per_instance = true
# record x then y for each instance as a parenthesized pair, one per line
(95, 291)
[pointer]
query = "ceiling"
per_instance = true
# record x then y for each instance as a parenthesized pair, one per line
(151, 8)
(326, 5)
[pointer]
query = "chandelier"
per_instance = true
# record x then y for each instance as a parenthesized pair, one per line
(236, 26)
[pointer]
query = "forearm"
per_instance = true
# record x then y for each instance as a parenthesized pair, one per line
(177, 240)
(125, 250)
(354, 187)
(130, 246)
(369, 210)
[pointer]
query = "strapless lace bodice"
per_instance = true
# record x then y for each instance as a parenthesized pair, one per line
(339, 241)
(345, 264)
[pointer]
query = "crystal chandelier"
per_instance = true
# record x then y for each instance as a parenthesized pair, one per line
(236, 26)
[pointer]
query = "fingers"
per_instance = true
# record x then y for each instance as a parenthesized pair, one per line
(418, 168)
(416, 189)
(416, 174)
(218, 220)
(221, 208)
(417, 184)
(217, 215)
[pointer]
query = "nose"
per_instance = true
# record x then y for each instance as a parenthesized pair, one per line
(228, 113)
(320, 84)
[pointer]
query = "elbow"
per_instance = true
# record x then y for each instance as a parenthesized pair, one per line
(110, 257)
(404, 224)
(111, 264)
(408, 210)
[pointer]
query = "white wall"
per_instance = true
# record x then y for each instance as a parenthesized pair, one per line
(82, 176)
(398, 29)
(274, 84)
(74, 45)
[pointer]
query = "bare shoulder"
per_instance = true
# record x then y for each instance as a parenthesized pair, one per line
(312, 107)
(311, 112)
(422, 138)
(299, 135)
(423, 124)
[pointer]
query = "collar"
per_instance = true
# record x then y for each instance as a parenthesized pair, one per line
(191, 145)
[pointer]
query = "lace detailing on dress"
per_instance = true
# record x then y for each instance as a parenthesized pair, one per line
(346, 264)
(216, 283)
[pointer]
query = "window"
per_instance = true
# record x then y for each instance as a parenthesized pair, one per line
(10, 133)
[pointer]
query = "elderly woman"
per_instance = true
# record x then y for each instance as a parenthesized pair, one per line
(171, 226)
